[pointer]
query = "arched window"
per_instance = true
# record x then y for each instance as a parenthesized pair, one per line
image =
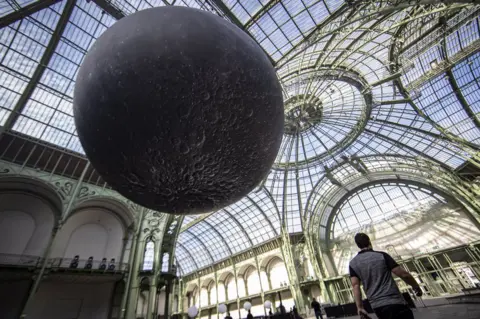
(231, 288)
(278, 274)
(165, 262)
(195, 297)
(221, 292)
(242, 292)
(401, 218)
(149, 256)
(203, 297)
(253, 281)
(212, 291)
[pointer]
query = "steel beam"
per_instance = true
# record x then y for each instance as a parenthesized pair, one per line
(42, 65)
(239, 226)
(405, 146)
(221, 237)
(425, 185)
(195, 221)
(391, 102)
(203, 245)
(109, 8)
(434, 135)
(387, 79)
(223, 8)
(260, 13)
(26, 11)
(263, 213)
(461, 99)
(189, 254)
(453, 83)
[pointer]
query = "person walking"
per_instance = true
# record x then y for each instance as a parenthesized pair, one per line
(374, 270)
(317, 309)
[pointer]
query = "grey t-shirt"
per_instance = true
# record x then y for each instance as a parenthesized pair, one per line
(374, 269)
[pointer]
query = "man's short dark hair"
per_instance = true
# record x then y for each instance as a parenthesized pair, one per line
(362, 240)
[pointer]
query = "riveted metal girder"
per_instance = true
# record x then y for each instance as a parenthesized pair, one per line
(110, 9)
(42, 65)
(26, 11)
(223, 8)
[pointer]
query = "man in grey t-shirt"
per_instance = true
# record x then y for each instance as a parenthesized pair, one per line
(374, 269)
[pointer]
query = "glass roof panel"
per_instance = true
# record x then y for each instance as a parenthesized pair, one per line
(335, 111)
(439, 102)
(196, 248)
(380, 202)
(211, 239)
(185, 262)
(467, 75)
(22, 45)
(48, 113)
(7, 7)
(233, 229)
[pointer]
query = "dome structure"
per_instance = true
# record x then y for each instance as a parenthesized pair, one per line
(382, 124)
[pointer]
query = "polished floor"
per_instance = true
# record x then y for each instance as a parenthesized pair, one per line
(456, 311)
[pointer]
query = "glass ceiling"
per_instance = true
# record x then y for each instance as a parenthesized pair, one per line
(372, 91)
(380, 202)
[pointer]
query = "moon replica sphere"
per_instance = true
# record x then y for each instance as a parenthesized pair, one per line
(179, 110)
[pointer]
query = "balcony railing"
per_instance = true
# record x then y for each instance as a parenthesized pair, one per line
(80, 265)
(20, 260)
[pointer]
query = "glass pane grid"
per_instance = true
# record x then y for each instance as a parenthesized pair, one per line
(22, 45)
(377, 203)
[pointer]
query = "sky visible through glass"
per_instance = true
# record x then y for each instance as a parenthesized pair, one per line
(332, 70)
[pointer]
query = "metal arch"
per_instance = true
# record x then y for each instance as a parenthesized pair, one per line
(297, 179)
(233, 18)
(453, 83)
(201, 244)
(327, 48)
(189, 254)
(339, 72)
(435, 135)
(42, 65)
(330, 41)
(283, 220)
(219, 235)
(339, 165)
(109, 8)
(385, 10)
(439, 128)
(364, 33)
(352, 78)
(260, 13)
(180, 269)
(196, 221)
(393, 57)
(346, 69)
(269, 195)
(26, 11)
(461, 99)
(263, 213)
(395, 142)
(318, 211)
(307, 41)
(345, 197)
(239, 225)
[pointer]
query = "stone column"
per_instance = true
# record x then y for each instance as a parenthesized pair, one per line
(38, 278)
(292, 272)
(262, 291)
(131, 260)
(152, 297)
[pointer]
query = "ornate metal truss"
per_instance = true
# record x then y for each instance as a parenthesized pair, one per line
(375, 91)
